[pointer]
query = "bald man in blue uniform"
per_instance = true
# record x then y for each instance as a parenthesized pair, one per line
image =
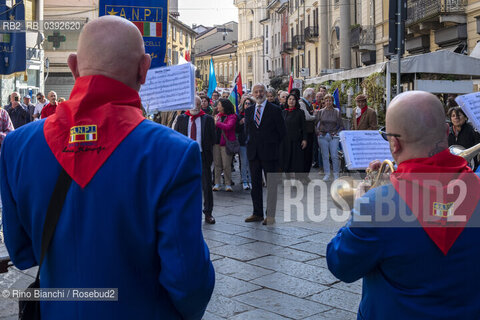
(132, 215)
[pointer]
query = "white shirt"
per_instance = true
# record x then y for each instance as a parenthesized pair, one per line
(198, 123)
(38, 108)
(261, 110)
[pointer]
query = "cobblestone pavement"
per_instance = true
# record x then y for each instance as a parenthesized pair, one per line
(262, 272)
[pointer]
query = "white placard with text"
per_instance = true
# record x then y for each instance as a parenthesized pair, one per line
(470, 104)
(361, 147)
(169, 88)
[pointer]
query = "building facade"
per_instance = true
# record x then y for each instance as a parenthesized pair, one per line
(225, 64)
(180, 41)
(272, 33)
(285, 44)
(442, 25)
(215, 36)
(31, 81)
(250, 51)
(59, 44)
(318, 37)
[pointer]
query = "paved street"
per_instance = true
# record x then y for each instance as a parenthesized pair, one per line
(262, 272)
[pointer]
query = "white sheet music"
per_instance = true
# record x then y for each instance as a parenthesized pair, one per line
(470, 104)
(361, 147)
(169, 88)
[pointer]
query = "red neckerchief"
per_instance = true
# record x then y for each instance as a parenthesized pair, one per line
(194, 117)
(291, 109)
(88, 127)
(221, 115)
(363, 110)
(242, 114)
(410, 181)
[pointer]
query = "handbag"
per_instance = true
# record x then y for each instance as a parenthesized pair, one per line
(231, 147)
(30, 310)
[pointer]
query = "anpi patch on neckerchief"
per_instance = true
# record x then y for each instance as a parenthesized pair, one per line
(83, 139)
(83, 134)
(442, 210)
(442, 192)
(87, 128)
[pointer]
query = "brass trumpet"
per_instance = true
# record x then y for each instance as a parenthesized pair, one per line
(345, 189)
(467, 154)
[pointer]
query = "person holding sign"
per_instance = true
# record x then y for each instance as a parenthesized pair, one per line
(131, 218)
(420, 262)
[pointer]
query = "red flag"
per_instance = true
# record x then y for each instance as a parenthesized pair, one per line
(290, 83)
(239, 85)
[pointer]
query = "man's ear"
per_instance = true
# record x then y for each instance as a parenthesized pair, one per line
(73, 65)
(396, 145)
(143, 68)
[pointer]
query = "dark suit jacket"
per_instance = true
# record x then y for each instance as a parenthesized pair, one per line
(208, 132)
(264, 142)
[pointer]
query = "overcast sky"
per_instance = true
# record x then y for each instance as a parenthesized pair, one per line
(207, 12)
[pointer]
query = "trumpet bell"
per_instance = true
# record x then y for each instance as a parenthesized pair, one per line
(343, 192)
(344, 189)
(467, 154)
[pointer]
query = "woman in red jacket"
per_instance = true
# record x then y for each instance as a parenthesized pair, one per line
(225, 122)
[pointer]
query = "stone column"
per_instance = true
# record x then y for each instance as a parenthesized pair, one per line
(323, 34)
(345, 50)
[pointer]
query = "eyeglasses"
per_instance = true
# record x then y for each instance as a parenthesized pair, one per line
(385, 134)
(247, 103)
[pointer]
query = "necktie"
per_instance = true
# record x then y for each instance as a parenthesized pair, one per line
(193, 130)
(257, 117)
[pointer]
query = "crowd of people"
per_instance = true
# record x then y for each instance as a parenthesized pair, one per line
(18, 113)
(301, 132)
(312, 125)
(129, 215)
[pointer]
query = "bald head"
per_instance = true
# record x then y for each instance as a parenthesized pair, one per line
(198, 102)
(113, 47)
(419, 118)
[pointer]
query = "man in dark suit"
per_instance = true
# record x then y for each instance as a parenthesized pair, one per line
(265, 129)
(199, 126)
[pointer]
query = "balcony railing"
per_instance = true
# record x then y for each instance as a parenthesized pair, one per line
(355, 37)
(367, 38)
(298, 42)
(287, 47)
(311, 34)
(423, 10)
(367, 35)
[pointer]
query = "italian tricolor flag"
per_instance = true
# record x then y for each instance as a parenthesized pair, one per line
(150, 29)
